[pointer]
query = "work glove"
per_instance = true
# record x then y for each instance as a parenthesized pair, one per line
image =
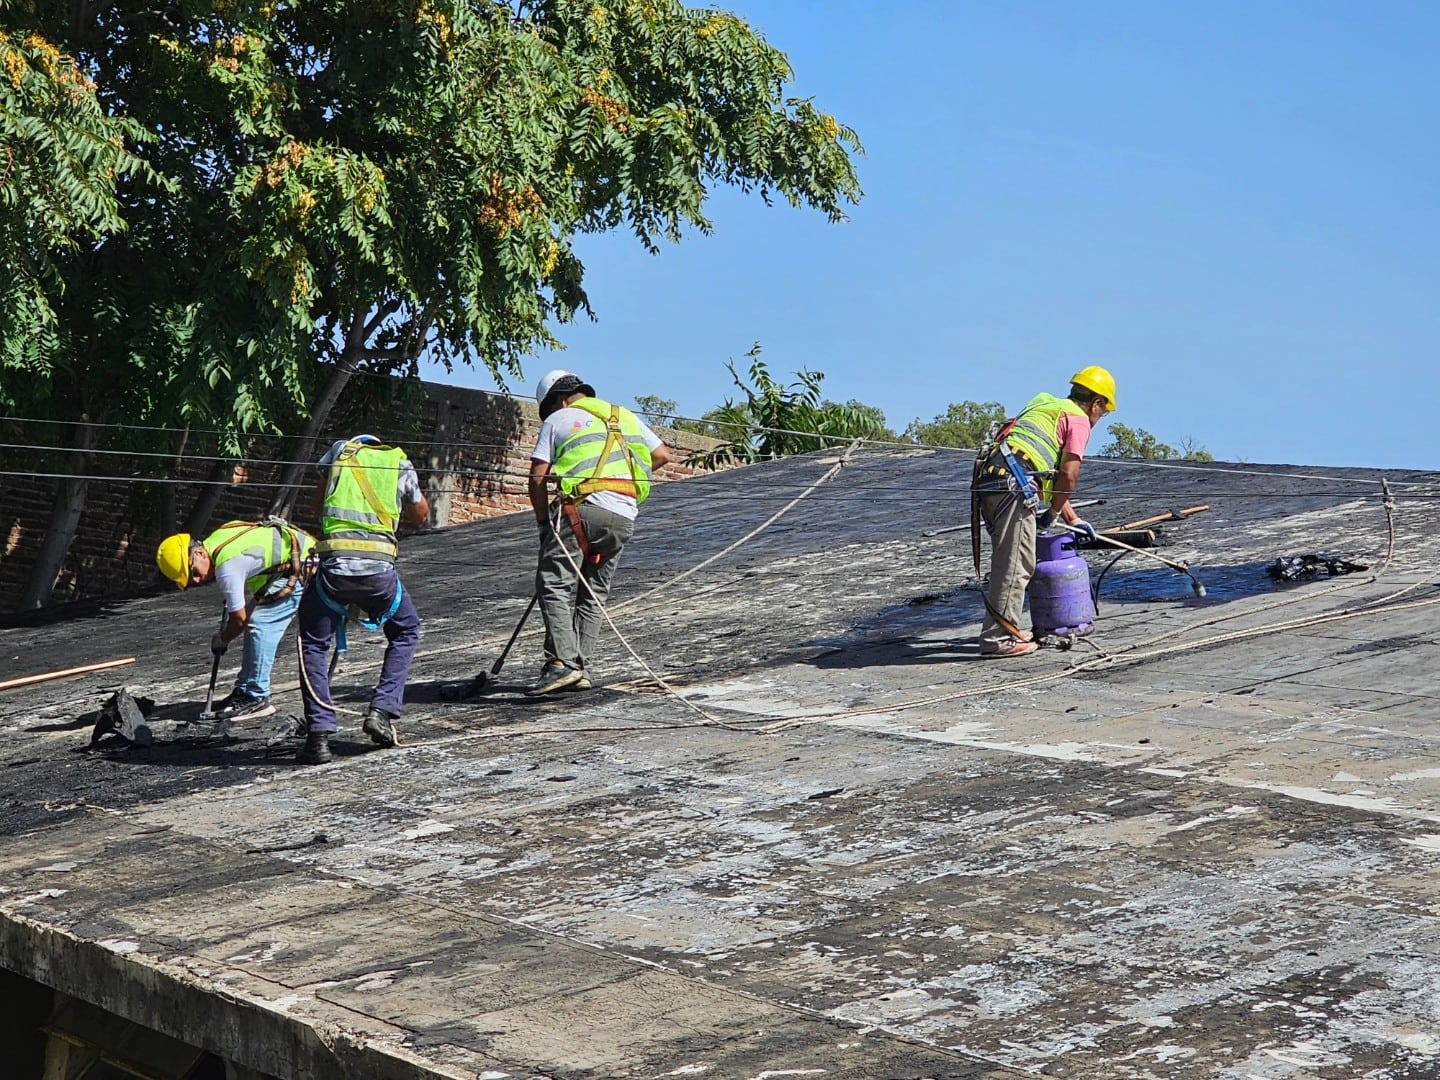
(1045, 519)
(218, 645)
(1084, 528)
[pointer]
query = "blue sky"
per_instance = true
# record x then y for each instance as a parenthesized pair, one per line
(1234, 207)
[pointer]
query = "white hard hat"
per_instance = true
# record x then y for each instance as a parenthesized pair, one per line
(548, 380)
(559, 382)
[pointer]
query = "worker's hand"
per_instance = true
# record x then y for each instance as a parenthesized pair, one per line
(1045, 519)
(218, 645)
(1084, 528)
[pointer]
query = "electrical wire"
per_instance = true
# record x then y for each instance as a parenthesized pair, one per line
(959, 490)
(830, 441)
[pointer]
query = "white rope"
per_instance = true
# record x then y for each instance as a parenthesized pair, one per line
(709, 720)
(1134, 653)
(834, 470)
(767, 523)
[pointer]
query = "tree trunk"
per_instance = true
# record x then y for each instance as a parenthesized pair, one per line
(64, 520)
(197, 522)
(356, 335)
(169, 507)
(304, 448)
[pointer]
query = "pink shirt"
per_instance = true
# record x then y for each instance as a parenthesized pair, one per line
(1074, 434)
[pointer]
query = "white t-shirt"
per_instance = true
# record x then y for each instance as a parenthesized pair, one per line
(408, 494)
(231, 576)
(563, 423)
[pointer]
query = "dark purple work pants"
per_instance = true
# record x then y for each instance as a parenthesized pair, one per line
(372, 594)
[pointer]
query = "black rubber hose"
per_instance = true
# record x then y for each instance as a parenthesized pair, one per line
(1095, 588)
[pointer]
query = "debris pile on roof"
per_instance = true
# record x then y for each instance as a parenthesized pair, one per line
(124, 715)
(1296, 567)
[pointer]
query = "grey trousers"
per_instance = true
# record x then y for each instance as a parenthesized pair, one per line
(573, 619)
(1012, 563)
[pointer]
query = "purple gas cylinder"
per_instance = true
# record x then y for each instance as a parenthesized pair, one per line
(1060, 601)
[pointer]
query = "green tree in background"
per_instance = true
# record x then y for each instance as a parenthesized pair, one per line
(874, 413)
(778, 419)
(656, 410)
(1190, 450)
(963, 425)
(62, 159)
(352, 183)
(1127, 442)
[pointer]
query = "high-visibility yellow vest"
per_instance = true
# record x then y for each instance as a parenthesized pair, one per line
(273, 545)
(362, 503)
(1036, 435)
(607, 454)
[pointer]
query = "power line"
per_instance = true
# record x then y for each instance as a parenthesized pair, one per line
(675, 489)
(1219, 468)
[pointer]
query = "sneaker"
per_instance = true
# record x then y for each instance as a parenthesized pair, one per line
(582, 683)
(1011, 647)
(228, 702)
(316, 750)
(380, 727)
(245, 707)
(555, 676)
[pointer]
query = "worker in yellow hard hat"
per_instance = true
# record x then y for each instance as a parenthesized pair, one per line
(261, 568)
(1023, 479)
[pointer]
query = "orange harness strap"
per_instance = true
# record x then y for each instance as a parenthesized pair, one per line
(577, 526)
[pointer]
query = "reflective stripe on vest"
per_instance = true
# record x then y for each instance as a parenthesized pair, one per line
(1036, 435)
(358, 519)
(231, 540)
(607, 454)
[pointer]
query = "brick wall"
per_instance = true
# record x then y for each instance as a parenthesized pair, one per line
(471, 448)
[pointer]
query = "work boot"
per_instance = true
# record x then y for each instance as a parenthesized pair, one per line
(582, 683)
(555, 676)
(380, 727)
(245, 707)
(316, 750)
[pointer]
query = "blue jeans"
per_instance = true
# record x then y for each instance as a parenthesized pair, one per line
(373, 594)
(263, 632)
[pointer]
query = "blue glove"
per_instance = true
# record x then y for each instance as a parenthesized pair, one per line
(1045, 519)
(1084, 528)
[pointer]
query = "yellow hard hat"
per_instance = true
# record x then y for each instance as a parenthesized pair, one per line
(173, 558)
(1098, 381)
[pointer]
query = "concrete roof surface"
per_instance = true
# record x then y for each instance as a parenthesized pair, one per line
(1203, 845)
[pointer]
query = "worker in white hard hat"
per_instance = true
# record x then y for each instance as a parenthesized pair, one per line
(589, 473)
(1023, 480)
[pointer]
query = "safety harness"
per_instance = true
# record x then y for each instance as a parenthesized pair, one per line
(344, 614)
(298, 570)
(614, 438)
(385, 521)
(570, 500)
(991, 476)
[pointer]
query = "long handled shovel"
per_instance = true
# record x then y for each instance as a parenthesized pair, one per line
(209, 713)
(485, 678)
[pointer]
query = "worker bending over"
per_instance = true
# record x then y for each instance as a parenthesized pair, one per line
(261, 569)
(1031, 468)
(598, 458)
(367, 491)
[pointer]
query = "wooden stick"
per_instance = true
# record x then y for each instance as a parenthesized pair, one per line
(1158, 519)
(31, 680)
